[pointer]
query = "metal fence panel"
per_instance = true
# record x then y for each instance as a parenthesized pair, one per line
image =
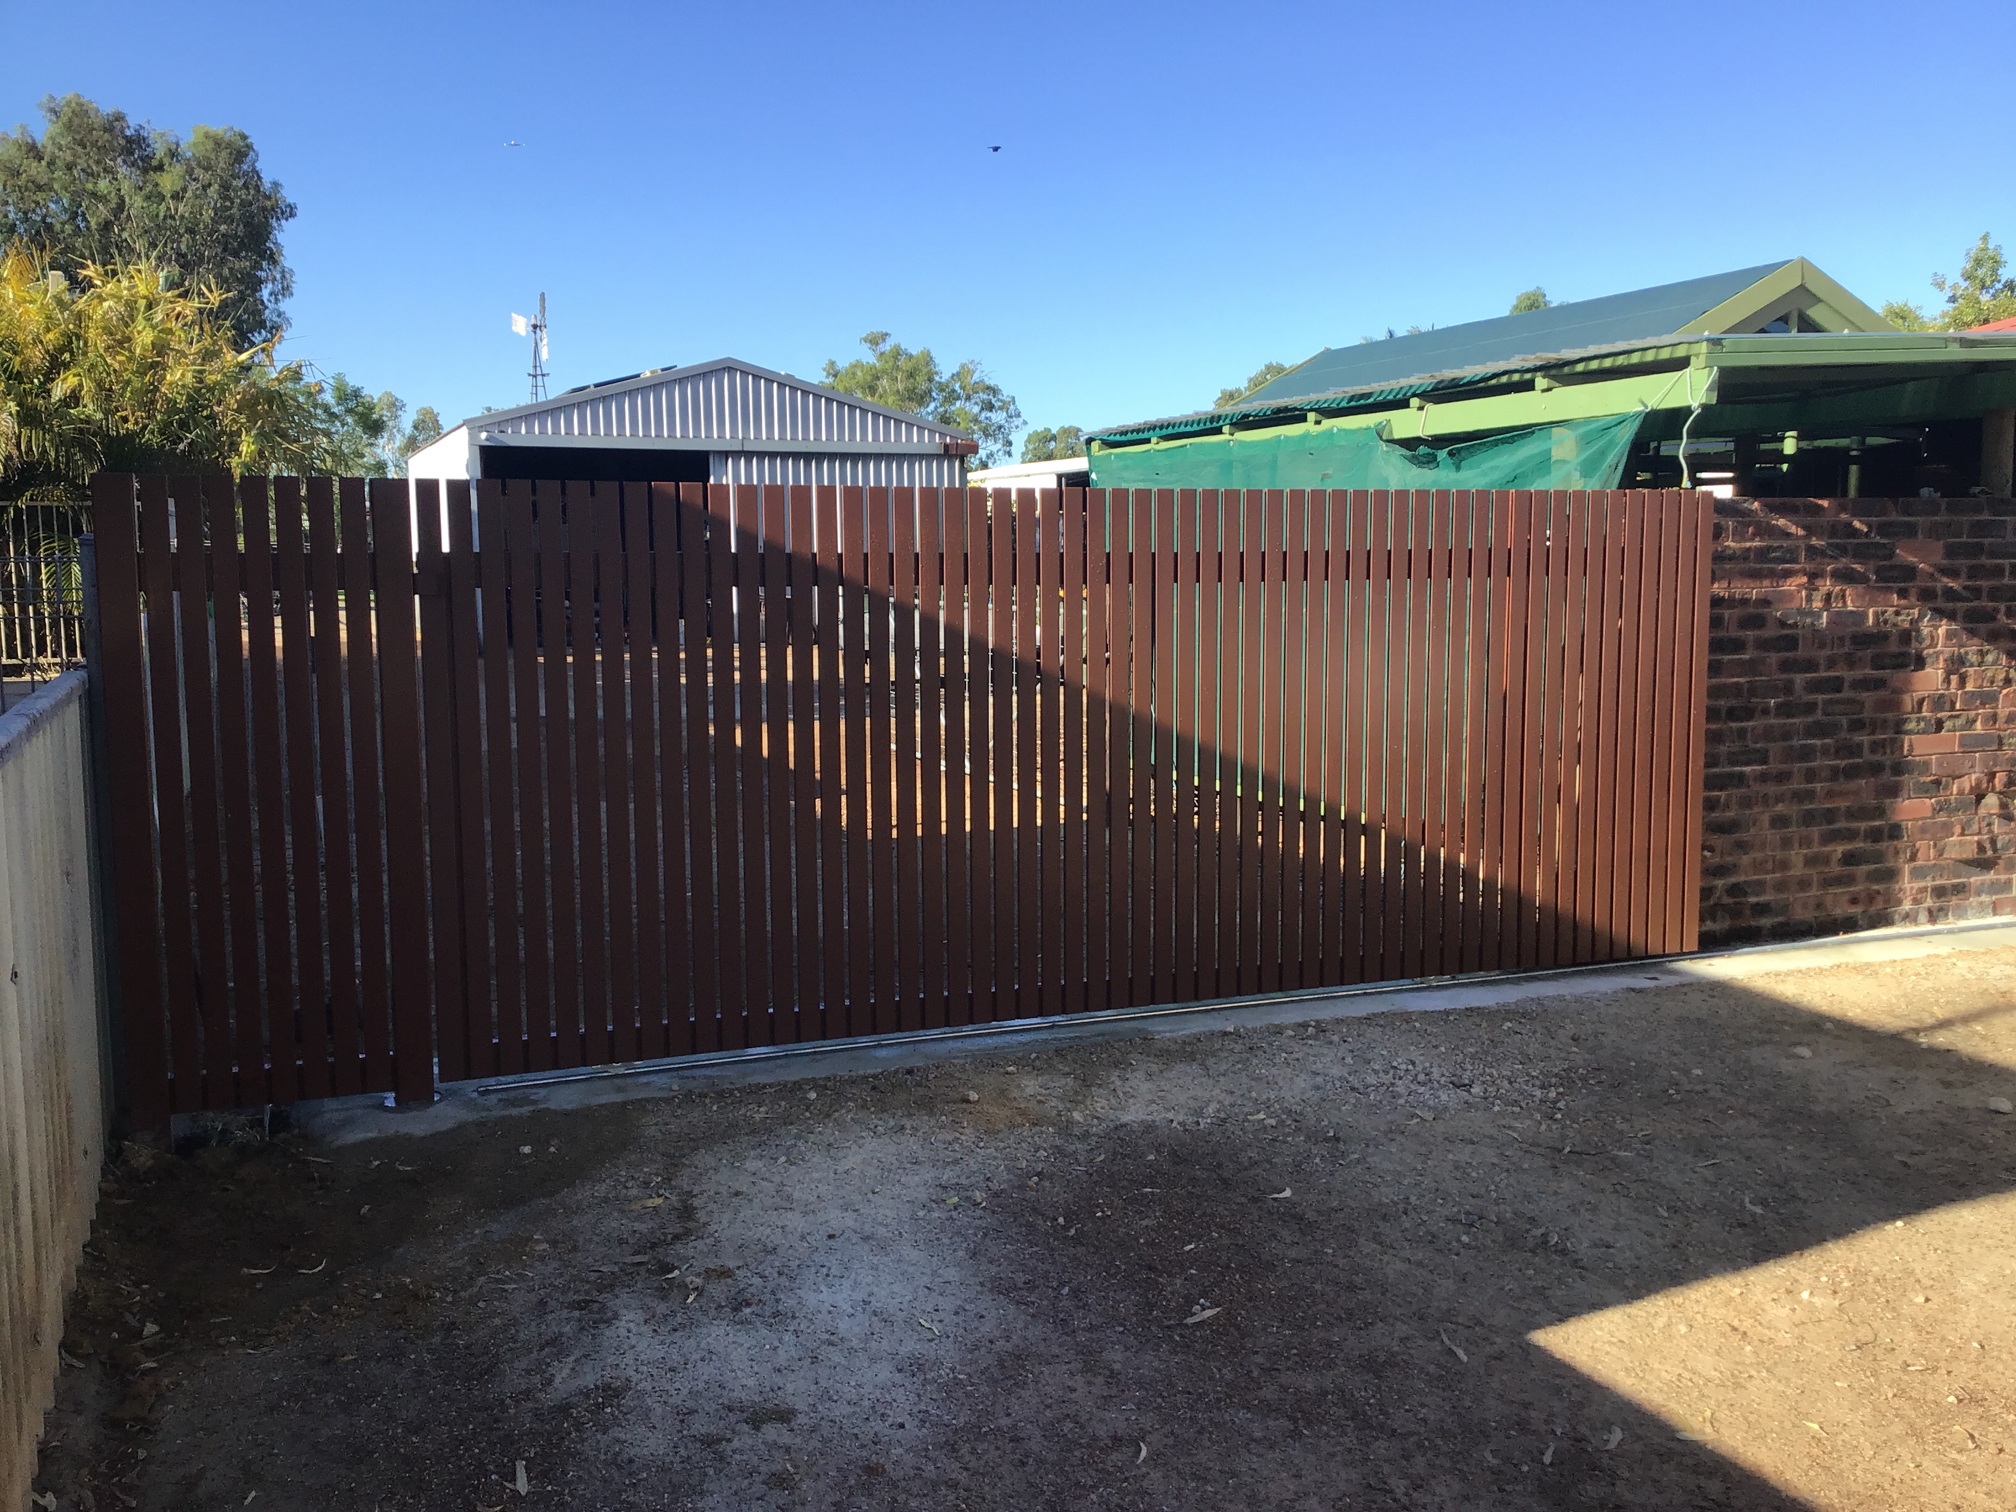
(664, 769)
(41, 595)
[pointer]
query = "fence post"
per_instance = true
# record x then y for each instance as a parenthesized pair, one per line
(398, 652)
(105, 923)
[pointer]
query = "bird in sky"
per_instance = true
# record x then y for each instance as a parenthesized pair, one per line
(993, 149)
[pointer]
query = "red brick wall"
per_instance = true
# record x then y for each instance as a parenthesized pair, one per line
(1861, 716)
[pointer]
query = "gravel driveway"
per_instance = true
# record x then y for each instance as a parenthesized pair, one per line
(1715, 1244)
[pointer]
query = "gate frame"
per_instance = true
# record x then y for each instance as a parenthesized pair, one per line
(1023, 712)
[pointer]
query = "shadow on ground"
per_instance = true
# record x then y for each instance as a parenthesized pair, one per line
(1293, 1268)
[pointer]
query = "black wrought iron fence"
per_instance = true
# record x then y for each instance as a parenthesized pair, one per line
(41, 595)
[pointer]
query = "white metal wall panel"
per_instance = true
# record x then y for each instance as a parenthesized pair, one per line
(728, 401)
(449, 457)
(838, 469)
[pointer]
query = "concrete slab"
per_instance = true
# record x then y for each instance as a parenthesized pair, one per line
(349, 1119)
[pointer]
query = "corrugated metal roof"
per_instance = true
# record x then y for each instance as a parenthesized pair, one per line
(726, 399)
(1368, 398)
(1865, 355)
(1637, 316)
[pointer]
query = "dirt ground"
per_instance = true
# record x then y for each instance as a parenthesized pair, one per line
(1744, 1245)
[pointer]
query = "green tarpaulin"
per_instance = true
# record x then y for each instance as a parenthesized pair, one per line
(1574, 454)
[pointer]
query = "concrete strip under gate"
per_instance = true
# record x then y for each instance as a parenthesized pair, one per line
(349, 1119)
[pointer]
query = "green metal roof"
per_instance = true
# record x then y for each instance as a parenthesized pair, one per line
(1639, 315)
(1627, 375)
(1206, 421)
(1614, 332)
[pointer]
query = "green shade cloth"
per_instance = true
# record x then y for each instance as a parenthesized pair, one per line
(1573, 454)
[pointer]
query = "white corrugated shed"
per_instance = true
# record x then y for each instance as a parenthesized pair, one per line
(752, 425)
(1059, 472)
(726, 399)
(866, 471)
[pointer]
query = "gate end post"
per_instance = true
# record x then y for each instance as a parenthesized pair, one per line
(105, 920)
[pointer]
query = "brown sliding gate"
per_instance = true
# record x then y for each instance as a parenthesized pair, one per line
(593, 773)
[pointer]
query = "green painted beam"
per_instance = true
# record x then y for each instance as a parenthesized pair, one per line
(1429, 419)
(1813, 349)
(1852, 351)
(1959, 396)
(1568, 401)
(1662, 357)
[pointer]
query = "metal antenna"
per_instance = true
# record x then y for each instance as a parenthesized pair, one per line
(539, 352)
(536, 329)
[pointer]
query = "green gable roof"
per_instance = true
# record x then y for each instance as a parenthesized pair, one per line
(1641, 315)
(1793, 299)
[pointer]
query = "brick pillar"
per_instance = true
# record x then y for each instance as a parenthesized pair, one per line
(1861, 756)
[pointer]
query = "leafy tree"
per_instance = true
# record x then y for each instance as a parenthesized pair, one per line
(1053, 445)
(98, 191)
(965, 398)
(1905, 316)
(121, 369)
(367, 436)
(1268, 372)
(969, 401)
(359, 427)
(1531, 300)
(1982, 293)
(425, 429)
(891, 375)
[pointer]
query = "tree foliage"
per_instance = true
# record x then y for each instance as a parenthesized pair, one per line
(1266, 374)
(367, 435)
(425, 429)
(1053, 445)
(1531, 300)
(965, 398)
(1982, 293)
(96, 190)
(1906, 316)
(120, 369)
(141, 282)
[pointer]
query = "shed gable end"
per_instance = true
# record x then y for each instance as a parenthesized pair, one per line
(726, 400)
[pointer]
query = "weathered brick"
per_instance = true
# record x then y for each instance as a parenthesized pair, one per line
(1860, 665)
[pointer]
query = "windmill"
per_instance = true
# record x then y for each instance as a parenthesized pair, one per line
(536, 329)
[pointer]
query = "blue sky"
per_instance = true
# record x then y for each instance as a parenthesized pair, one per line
(1183, 191)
